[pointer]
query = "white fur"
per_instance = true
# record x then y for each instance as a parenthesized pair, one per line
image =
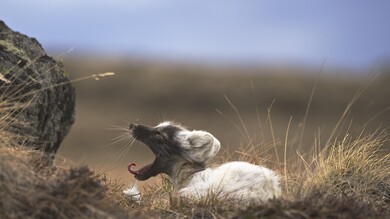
(166, 123)
(132, 193)
(199, 145)
(240, 181)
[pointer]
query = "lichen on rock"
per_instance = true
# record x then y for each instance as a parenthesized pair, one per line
(9, 47)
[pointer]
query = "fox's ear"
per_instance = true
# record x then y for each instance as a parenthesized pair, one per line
(201, 146)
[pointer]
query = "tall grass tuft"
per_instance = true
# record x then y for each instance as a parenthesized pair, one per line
(353, 168)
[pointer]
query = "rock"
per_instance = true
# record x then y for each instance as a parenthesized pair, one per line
(37, 100)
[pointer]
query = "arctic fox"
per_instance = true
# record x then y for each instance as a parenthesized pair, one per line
(182, 155)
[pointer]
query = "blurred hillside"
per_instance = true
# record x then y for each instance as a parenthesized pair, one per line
(198, 97)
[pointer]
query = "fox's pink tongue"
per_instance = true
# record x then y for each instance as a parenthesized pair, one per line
(140, 171)
(135, 172)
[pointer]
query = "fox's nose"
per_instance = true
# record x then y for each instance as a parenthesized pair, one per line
(132, 126)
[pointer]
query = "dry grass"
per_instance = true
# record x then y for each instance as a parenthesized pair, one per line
(31, 187)
(353, 168)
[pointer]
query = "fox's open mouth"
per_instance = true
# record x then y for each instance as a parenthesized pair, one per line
(146, 171)
(150, 138)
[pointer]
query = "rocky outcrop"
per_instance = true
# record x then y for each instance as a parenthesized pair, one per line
(37, 100)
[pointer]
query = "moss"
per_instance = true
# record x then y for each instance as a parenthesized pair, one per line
(10, 47)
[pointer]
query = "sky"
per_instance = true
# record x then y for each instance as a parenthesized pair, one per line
(347, 33)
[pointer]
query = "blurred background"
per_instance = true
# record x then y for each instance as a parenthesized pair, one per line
(238, 69)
